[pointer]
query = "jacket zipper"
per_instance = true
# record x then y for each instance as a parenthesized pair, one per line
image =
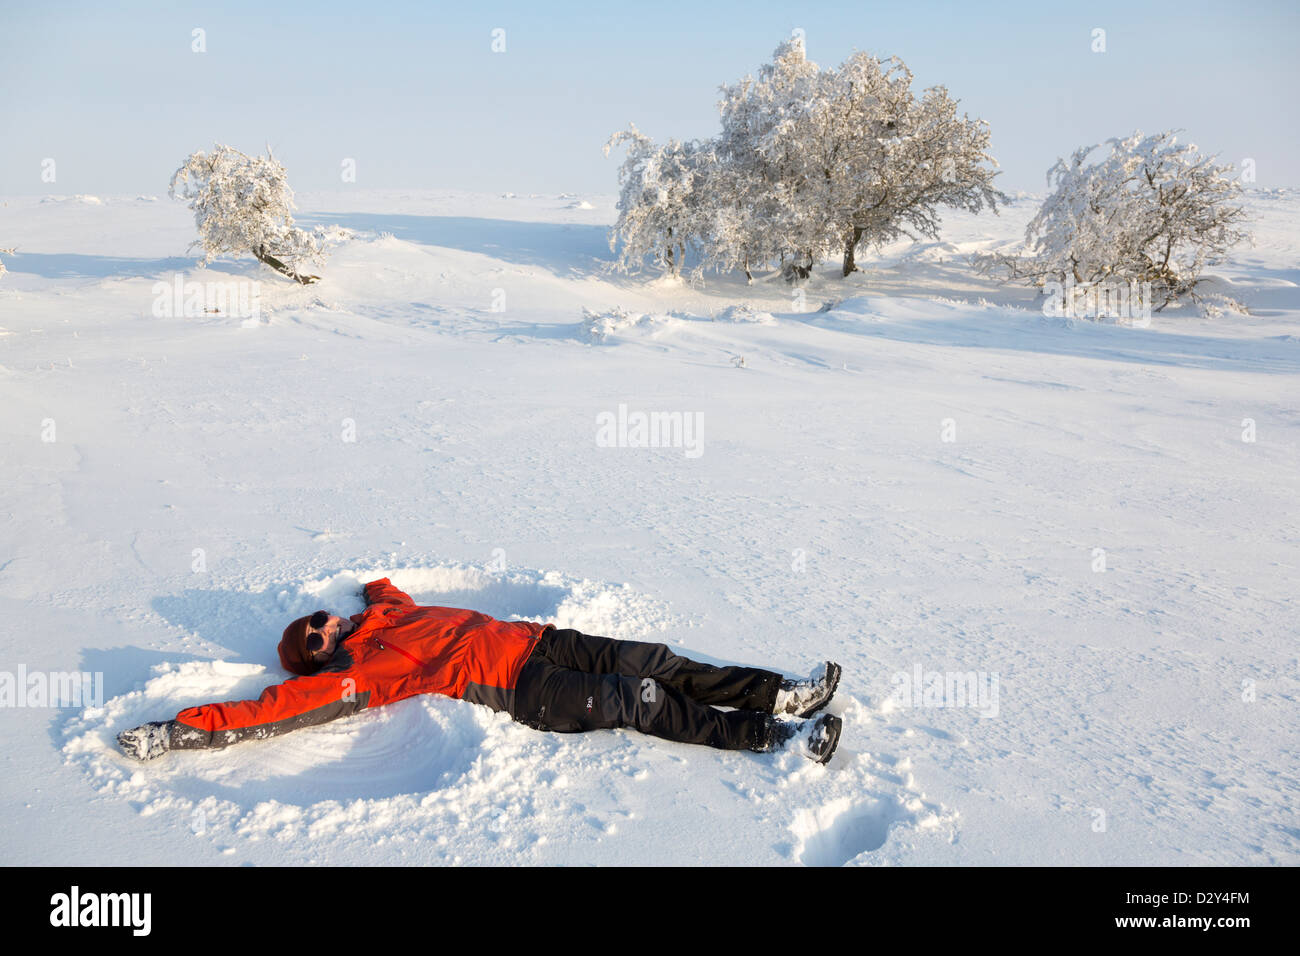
(415, 660)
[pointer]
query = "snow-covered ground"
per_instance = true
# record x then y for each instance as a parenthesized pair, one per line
(912, 470)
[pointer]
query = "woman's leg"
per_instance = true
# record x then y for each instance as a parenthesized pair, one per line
(747, 688)
(550, 697)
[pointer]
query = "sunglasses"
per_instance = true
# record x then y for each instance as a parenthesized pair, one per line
(316, 641)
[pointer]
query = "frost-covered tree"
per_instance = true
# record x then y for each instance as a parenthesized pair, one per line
(1151, 210)
(851, 156)
(891, 161)
(733, 232)
(659, 199)
(767, 127)
(243, 204)
(812, 163)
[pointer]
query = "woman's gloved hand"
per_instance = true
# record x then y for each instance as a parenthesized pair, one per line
(146, 741)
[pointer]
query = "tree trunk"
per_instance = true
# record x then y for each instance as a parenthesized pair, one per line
(797, 269)
(849, 264)
(265, 257)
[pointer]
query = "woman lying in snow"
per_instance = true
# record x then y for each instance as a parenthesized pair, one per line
(546, 677)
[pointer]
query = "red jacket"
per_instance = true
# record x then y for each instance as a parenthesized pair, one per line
(398, 649)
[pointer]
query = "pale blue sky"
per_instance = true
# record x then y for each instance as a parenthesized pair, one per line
(413, 92)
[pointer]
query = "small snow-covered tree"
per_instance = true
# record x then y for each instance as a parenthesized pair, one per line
(1152, 210)
(659, 202)
(891, 160)
(769, 125)
(735, 233)
(244, 204)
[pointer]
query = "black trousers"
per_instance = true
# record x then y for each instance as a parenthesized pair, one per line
(574, 682)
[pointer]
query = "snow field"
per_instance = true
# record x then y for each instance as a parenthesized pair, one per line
(200, 492)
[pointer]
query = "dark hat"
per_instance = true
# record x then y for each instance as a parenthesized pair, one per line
(294, 656)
